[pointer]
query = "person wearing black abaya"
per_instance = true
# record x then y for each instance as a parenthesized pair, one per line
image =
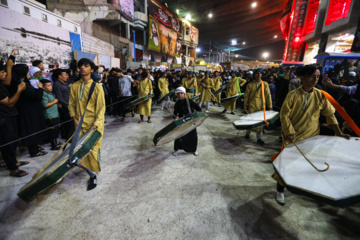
(31, 112)
(188, 142)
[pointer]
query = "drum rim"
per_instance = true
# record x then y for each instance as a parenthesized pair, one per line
(139, 100)
(220, 89)
(27, 194)
(156, 138)
(232, 97)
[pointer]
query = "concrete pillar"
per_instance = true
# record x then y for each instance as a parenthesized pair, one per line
(187, 51)
(127, 30)
(145, 4)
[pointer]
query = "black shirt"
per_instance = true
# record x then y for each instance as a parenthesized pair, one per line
(181, 107)
(6, 112)
(62, 92)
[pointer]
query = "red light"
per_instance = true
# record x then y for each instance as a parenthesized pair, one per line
(204, 55)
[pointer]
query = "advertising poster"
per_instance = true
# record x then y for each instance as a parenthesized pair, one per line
(127, 9)
(164, 31)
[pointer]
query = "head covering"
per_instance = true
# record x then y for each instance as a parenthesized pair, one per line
(233, 71)
(258, 70)
(19, 71)
(180, 90)
(207, 72)
(353, 74)
(190, 72)
(251, 72)
(202, 73)
(33, 70)
(162, 73)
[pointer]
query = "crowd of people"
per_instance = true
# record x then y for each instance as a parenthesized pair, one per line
(35, 108)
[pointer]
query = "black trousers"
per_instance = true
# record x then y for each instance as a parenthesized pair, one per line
(115, 106)
(53, 131)
(122, 104)
(65, 123)
(8, 133)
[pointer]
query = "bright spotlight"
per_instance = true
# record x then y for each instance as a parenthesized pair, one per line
(210, 15)
(198, 49)
(244, 43)
(177, 11)
(265, 54)
(236, 56)
(233, 42)
(188, 17)
(254, 4)
(275, 36)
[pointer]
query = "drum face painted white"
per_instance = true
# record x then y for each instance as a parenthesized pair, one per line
(255, 118)
(181, 130)
(340, 182)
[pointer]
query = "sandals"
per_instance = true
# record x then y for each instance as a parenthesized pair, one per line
(41, 148)
(22, 163)
(41, 153)
(19, 173)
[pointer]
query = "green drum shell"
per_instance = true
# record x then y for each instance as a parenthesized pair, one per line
(197, 120)
(231, 98)
(195, 97)
(137, 101)
(222, 88)
(55, 172)
(167, 95)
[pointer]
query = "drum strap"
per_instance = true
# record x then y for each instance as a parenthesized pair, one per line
(342, 113)
(237, 80)
(263, 99)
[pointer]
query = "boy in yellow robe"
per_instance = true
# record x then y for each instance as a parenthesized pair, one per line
(232, 90)
(217, 81)
(300, 113)
(253, 101)
(95, 110)
(145, 88)
(190, 84)
(206, 86)
(163, 85)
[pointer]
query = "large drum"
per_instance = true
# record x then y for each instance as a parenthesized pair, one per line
(256, 119)
(138, 101)
(222, 88)
(231, 98)
(59, 167)
(338, 186)
(195, 97)
(167, 95)
(179, 128)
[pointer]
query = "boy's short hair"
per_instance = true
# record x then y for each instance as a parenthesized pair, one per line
(86, 61)
(36, 63)
(305, 71)
(57, 72)
(44, 81)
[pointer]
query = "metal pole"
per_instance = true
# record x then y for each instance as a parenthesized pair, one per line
(134, 46)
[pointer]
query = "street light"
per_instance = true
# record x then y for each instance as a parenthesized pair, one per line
(198, 49)
(233, 42)
(265, 55)
(210, 15)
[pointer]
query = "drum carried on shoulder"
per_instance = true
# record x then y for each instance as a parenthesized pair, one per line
(256, 119)
(339, 185)
(138, 101)
(56, 170)
(222, 88)
(179, 128)
(231, 98)
(196, 97)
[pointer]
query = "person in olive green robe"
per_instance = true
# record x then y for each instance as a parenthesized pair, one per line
(145, 88)
(300, 113)
(206, 86)
(232, 90)
(190, 84)
(253, 101)
(217, 81)
(95, 110)
(163, 85)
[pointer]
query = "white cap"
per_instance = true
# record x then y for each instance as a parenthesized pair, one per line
(180, 90)
(353, 74)
(33, 70)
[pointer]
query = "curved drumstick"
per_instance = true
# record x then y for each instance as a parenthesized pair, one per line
(323, 170)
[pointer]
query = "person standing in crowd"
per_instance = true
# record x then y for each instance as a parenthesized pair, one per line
(125, 82)
(145, 89)
(95, 114)
(114, 91)
(272, 87)
(164, 89)
(35, 76)
(190, 84)
(217, 80)
(206, 94)
(62, 93)
(8, 123)
(232, 90)
(51, 114)
(300, 115)
(31, 112)
(188, 142)
(254, 101)
(294, 83)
